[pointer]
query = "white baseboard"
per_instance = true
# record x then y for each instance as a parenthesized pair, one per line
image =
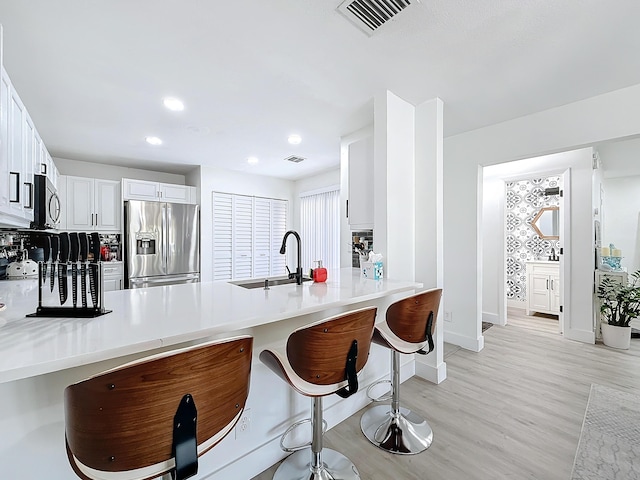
(431, 373)
(491, 318)
(583, 336)
(468, 343)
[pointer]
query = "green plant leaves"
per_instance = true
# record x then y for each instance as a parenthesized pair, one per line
(620, 302)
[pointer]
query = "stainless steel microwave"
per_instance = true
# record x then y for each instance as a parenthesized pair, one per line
(46, 204)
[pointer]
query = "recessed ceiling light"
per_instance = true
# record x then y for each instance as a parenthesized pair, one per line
(252, 160)
(173, 104)
(153, 140)
(294, 139)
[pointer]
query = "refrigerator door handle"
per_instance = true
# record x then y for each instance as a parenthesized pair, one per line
(143, 282)
(165, 237)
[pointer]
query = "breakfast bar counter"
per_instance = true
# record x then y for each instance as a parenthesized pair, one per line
(41, 356)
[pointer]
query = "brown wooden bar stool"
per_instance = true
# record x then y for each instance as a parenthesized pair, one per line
(409, 328)
(321, 359)
(158, 414)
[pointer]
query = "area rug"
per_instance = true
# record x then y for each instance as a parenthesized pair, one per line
(609, 447)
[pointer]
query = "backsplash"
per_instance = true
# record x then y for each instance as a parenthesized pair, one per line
(14, 244)
(524, 198)
(366, 238)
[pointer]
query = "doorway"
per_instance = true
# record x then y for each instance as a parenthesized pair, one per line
(523, 263)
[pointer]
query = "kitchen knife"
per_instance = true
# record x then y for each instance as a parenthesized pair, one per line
(55, 246)
(46, 252)
(74, 246)
(62, 267)
(84, 252)
(93, 274)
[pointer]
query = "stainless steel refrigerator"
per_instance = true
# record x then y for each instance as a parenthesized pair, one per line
(162, 243)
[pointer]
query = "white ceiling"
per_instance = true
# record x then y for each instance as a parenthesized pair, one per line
(93, 73)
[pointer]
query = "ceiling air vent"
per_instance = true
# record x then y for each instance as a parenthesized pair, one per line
(370, 15)
(294, 159)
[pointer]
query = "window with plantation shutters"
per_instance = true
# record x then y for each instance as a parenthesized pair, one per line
(247, 233)
(222, 236)
(262, 237)
(279, 210)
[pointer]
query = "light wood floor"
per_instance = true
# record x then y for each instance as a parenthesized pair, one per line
(512, 411)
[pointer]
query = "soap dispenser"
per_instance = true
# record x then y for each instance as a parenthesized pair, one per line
(319, 273)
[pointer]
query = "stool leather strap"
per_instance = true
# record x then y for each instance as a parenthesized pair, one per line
(184, 448)
(352, 375)
(429, 336)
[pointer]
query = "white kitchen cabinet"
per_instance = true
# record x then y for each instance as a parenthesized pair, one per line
(246, 231)
(92, 204)
(5, 88)
(20, 160)
(360, 203)
(113, 276)
(21, 152)
(46, 167)
(157, 191)
(543, 287)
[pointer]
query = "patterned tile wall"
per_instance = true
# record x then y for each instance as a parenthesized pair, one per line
(360, 237)
(524, 198)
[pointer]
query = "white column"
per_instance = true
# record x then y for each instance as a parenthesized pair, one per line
(429, 242)
(408, 201)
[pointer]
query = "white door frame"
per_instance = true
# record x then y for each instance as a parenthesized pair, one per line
(565, 241)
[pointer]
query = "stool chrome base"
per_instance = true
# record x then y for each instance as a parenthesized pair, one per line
(335, 466)
(406, 433)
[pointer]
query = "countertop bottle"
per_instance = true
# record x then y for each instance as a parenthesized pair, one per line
(319, 273)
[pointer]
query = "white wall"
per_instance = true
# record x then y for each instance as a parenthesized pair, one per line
(622, 213)
(111, 172)
(605, 117)
(219, 180)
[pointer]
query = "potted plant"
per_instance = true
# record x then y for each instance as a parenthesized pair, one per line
(620, 303)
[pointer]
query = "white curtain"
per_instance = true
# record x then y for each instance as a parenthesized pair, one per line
(320, 229)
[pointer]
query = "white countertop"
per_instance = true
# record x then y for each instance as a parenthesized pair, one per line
(149, 318)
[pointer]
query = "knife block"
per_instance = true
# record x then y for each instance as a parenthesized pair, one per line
(71, 312)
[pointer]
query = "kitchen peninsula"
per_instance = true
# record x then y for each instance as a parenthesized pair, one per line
(41, 356)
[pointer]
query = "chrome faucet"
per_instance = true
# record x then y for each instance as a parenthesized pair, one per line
(283, 250)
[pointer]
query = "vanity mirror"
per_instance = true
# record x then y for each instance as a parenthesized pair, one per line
(546, 223)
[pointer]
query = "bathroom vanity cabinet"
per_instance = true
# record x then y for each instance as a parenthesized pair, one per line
(543, 287)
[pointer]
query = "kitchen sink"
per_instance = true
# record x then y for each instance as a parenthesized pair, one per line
(273, 282)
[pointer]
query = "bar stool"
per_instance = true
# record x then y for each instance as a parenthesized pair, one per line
(409, 327)
(321, 359)
(138, 421)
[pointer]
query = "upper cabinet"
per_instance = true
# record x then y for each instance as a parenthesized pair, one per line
(360, 202)
(21, 154)
(17, 157)
(92, 204)
(157, 192)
